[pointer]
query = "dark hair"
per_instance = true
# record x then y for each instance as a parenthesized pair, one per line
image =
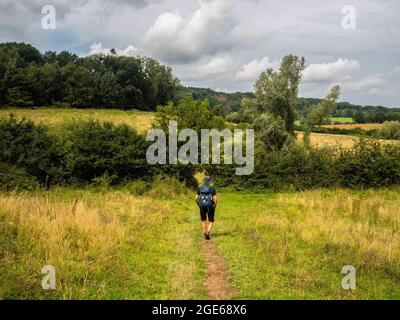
(207, 180)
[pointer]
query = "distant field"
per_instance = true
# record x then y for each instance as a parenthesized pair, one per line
(365, 126)
(332, 140)
(342, 120)
(142, 121)
(53, 117)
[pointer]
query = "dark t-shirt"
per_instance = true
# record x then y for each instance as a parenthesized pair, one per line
(213, 191)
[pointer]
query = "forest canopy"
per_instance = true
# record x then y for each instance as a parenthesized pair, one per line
(31, 78)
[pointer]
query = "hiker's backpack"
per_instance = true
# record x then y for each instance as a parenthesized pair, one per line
(205, 199)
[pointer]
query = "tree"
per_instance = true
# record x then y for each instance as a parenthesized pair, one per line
(270, 131)
(276, 92)
(359, 117)
(322, 111)
(189, 113)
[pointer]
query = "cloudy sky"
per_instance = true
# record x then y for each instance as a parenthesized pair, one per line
(225, 44)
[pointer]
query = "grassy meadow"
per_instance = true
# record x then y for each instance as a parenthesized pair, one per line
(54, 117)
(104, 244)
(110, 244)
(342, 120)
(142, 121)
(363, 126)
(334, 140)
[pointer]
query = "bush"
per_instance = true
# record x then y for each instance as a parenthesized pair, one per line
(138, 187)
(95, 149)
(165, 187)
(368, 164)
(12, 178)
(30, 147)
(271, 132)
(390, 131)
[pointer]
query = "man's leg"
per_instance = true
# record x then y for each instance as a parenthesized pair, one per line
(203, 215)
(204, 227)
(210, 225)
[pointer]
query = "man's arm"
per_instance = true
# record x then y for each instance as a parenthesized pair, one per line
(197, 196)
(214, 198)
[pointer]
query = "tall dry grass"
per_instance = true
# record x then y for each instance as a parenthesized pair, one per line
(103, 245)
(294, 245)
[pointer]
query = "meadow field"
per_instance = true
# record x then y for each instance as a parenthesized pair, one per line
(111, 244)
(142, 121)
(54, 117)
(334, 140)
(115, 243)
(342, 120)
(363, 126)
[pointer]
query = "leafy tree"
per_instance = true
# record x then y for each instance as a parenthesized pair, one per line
(28, 146)
(189, 113)
(276, 92)
(95, 150)
(322, 111)
(271, 132)
(359, 117)
(29, 78)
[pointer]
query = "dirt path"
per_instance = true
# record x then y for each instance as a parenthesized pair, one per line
(216, 283)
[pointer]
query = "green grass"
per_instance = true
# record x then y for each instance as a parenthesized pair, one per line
(342, 120)
(293, 246)
(54, 117)
(109, 244)
(112, 246)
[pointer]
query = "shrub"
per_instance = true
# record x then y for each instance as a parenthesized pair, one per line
(95, 149)
(390, 130)
(369, 164)
(138, 187)
(271, 132)
(12, 178)
(165, 187)
(29, 146)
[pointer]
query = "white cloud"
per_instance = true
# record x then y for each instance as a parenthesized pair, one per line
(330, 71)
(214, 69)
(178, 39)
(253, 69)
(97, 48)
(217, 66)
(370, 83)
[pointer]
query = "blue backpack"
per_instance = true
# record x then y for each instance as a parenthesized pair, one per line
(205, 199)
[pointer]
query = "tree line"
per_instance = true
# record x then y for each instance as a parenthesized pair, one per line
(30, 78)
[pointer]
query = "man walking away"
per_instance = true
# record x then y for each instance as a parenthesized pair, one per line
(207, 201)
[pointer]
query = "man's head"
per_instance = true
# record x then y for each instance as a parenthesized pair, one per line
(207, 180)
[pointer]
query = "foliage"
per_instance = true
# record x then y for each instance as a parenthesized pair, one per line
(95, 149)
(189, 113)
(29, 78)
(390, 130)
(270, 132)
(368, 164)
(29, 146)
(12, 178)
(322, 111)
(276, 92)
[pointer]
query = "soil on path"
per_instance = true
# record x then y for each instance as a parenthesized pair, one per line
(217, 279)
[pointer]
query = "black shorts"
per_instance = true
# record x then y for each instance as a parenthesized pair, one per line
(207, 213)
